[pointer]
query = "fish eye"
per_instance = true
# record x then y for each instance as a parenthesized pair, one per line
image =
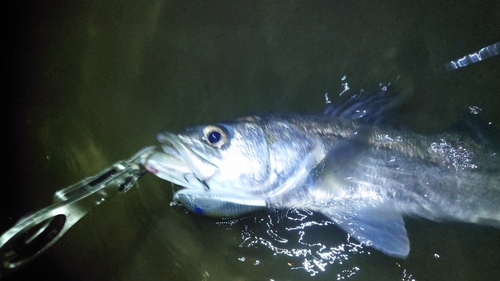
(216, 136)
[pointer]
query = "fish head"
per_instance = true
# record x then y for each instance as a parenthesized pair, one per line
(222, 156)
(250, 155)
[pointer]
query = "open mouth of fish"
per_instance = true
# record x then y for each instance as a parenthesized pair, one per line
(178, 163)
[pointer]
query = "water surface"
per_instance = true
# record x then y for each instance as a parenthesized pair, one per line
(95, 81)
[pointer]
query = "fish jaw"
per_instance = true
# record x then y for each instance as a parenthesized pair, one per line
(172, 169)
(178, 163)
(199, 166)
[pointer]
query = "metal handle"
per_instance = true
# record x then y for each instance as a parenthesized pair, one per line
(34, 234)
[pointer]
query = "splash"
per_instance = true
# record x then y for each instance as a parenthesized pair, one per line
(453, 154)
(346, 86)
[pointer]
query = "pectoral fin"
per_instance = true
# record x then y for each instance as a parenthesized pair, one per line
(346, 153)
(381, 230)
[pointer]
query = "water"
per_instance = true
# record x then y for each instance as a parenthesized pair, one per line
(96, 81)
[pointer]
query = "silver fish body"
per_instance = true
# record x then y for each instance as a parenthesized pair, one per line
(364, 178)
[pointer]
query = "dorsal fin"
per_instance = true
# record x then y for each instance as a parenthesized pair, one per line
(372, 109)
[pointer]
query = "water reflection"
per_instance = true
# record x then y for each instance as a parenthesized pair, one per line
(305, 241)
(314, 255)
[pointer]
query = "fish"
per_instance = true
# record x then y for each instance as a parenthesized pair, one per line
(353, 163)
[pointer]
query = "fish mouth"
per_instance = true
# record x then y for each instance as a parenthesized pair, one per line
(178, 163)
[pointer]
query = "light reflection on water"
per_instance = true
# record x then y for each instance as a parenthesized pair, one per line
(303, 237)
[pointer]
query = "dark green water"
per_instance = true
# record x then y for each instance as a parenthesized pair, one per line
(96, 80)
